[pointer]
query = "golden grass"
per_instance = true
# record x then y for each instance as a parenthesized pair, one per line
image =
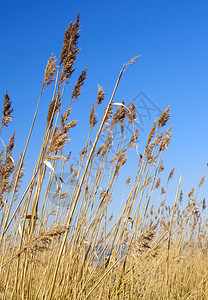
(72, 248)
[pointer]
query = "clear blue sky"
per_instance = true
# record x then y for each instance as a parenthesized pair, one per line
(171, 36)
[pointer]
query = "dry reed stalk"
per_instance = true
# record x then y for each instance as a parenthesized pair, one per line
(169, 237)
(68, 57)
(6, 226)
(82, 179)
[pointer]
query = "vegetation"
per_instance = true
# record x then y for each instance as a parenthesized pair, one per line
(60, 242)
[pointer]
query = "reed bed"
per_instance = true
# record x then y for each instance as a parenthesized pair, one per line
(58, 240)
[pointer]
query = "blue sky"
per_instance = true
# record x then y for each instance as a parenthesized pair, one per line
(171, 36)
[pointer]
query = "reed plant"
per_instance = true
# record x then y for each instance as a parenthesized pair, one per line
(58, 240)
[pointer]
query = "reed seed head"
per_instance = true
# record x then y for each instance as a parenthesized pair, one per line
(157, 184)
(70, 49)
(134, 139)
(92, 118)
(50, 71)
(53, 109)
(202, 181)
(152, 132)
(164, 117)
(100, 95)
(171, 174)
(131, 113)
(77, 89)
(161, 167)
(7, 111)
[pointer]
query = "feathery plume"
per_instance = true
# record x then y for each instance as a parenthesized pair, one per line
(190, 194)
(149, 151)
(69, 125)
(142, 243)
(100, 149)
(134, 139)
(171, 174)
(54, 157)
(157, 184)
(65, 116)
(70, 49)
(159, 138)
(7, 111)
(202, 181)
(203, 204)
(57, 142)
(122, 159)
(77, 89)
(131, 113)
(128, 180)
(50, 71)
(165, 142)
(108, 144)
(131, 62)
(161, 167)
(163, 190)
(6, 169)
(53, 109)
(109, 114)
(59, 138)
(14, 176)
(92, 117)
(164, 117)
(152, 132)
(43, 240)
(181, 196)
(84, 152)
(100, 95)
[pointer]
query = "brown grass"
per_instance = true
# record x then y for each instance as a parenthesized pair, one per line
(59, 239)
